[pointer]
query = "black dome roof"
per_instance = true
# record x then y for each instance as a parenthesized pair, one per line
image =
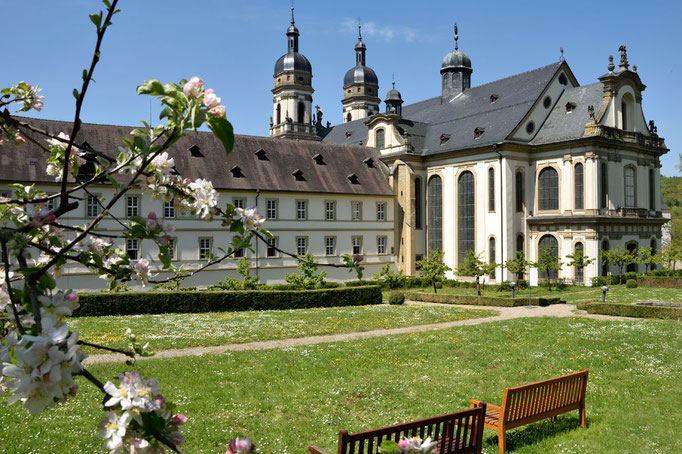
(293, 61)
(360, 75)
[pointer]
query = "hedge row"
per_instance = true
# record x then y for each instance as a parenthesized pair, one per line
(479, 300)
(632, 310)
(134, 303)
(660, 282)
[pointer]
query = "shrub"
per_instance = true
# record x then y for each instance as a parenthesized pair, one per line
(390, 279)
(480, 300)
(307, 279)
(600, 281)
(632, 310)
(631, 283)
(505, 286)
(356, 283)
(134, 303)
(396, 298)
(630, 275)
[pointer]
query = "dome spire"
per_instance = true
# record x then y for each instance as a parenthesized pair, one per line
(360, 48)
(292, 13)
(456, 38)
(292, 34)
(359, 30)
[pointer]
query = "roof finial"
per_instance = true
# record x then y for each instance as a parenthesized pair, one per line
(611, 66)
(359, 30)
(561, 57)
(456, 37)
(292, 12)
(623, 59)
(393, 79)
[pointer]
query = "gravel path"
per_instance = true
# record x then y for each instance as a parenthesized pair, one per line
(504, 313)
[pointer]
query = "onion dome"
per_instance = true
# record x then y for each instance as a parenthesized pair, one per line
(360, 74)
(293, 60)
(456, 59)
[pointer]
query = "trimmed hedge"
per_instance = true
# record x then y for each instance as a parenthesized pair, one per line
(479, 300)
(632, 310)
(135, 303)
(660, 282)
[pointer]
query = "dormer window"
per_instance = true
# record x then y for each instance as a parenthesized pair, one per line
(319, 159)
(348, 133)
(379, 138)
(494, 98)
(444, 138)
(570, 107)
(353, 179)
(260, 154)
(298, 175)
(195, 151)
(369, 162)
(478, 132)
(237, 172)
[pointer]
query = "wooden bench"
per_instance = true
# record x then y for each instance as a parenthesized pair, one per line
(458, 433)
(525, 404)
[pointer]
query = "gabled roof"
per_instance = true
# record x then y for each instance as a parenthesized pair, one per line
(461, 115)
(274, 174)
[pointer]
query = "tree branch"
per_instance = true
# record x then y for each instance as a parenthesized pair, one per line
(12, 298)
(109, 349)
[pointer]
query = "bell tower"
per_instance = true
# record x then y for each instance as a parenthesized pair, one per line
(360, 87)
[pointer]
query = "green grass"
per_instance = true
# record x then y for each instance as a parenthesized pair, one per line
(219, 328)
(289, 398)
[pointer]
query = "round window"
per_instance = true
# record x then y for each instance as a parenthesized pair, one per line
(547, 102)
(530, 127)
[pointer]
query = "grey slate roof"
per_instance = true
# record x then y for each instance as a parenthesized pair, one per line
(461, 115)
(561, 125)
(27, 163)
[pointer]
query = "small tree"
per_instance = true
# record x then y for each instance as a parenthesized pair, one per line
(474, 266)
(670, 255)
(389, 278)
(648, 258)
(619, 257)
(247, 282)
(550, 264)
(433, 268)
(579, 260)
(307, 279)
(518, 264)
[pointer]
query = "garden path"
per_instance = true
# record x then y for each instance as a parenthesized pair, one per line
(504, 313)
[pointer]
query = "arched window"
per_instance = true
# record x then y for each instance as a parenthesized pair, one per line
(519, 248)
(491, 189)
(604, 186)
(652, 190)
(435, 220)
(630, 187)
(301, 112)
(604, 265)
(417, 203)
(348, 117)
(548, 241)
(279, 114)
(654, 251)
(519, 192)
(466, 216)
(579, 186)
(579, 272)
(632, 249)
(379, 138)
(626, 111)
(491, 254)
(548, 189)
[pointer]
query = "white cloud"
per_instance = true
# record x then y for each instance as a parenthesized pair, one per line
(383, 32)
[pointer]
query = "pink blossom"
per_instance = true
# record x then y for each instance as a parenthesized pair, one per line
(164, 240)
(20, 140)
(241, 445)
(160, 401)
(193, 87)
(210, 99)
(358, 258)
(218, 111)
(179, 419)
(72, 298)
(152, 221)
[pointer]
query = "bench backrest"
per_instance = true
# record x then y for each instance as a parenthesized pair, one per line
(535, 401)
(460, 432)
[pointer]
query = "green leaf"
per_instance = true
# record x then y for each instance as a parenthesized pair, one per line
(47, 281)
(85, 74)
(151, 87)
(96, 19)
(223, 132)
(75, 93)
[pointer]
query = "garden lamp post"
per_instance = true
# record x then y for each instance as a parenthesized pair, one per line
(513, 287)
(604, 289)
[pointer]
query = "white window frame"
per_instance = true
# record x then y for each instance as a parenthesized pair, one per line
(50, 204)
(301, 242)
(133, 208)
(91, 206)
(382, 239)
(330, 242)
(274, 241)
(330, 210)
(381, 211)
(239, 202)
(356, 211)
(169, 209)
(173, 248)
(133, 244)
(353, 240)
(204, 256)
(301, 210)
(271, 206)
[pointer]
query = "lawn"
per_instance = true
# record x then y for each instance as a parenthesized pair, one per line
(289, 398)
(219, 328)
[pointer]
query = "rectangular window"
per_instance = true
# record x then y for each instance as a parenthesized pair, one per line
(169, 209)
(205, 248)
(357, 244)
(271, 209)
(356, 211)
(381, 245)
(330, 211)
(381, 211)
(301, 245)
(50, 204)
(491, 189)
(301, 209)
(239, 203)
(173, 248)
(133, 248)
(272, 244)
(630, 185)
(519, 192)
(330, 245)
(132, 206)
(239, 253)
(91, 207)
(604, 199)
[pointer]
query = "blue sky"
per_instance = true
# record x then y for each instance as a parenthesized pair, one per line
(233, 46)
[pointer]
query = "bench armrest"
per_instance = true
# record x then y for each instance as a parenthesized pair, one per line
(316, 450)
(474, 403)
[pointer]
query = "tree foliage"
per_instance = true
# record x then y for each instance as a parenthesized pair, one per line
(433, 268)
(472, 265)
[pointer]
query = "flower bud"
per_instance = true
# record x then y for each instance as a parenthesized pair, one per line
(179, 419)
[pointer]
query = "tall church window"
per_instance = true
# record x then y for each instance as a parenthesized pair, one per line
(279, 114)
(652, 190)
(548, 189)
(630, 187)
(579, 186)
(604, 186)
(491, 254)
(548, 241)
(418, 203)
(466, 220)
(435, 220)
(626, 111)
(604, 266)
(579, 272)
(519, 192)
(491, 189)
(301, 112)
(379, 138)
(519, 248)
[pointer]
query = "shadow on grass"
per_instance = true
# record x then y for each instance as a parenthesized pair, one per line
(536, 432)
